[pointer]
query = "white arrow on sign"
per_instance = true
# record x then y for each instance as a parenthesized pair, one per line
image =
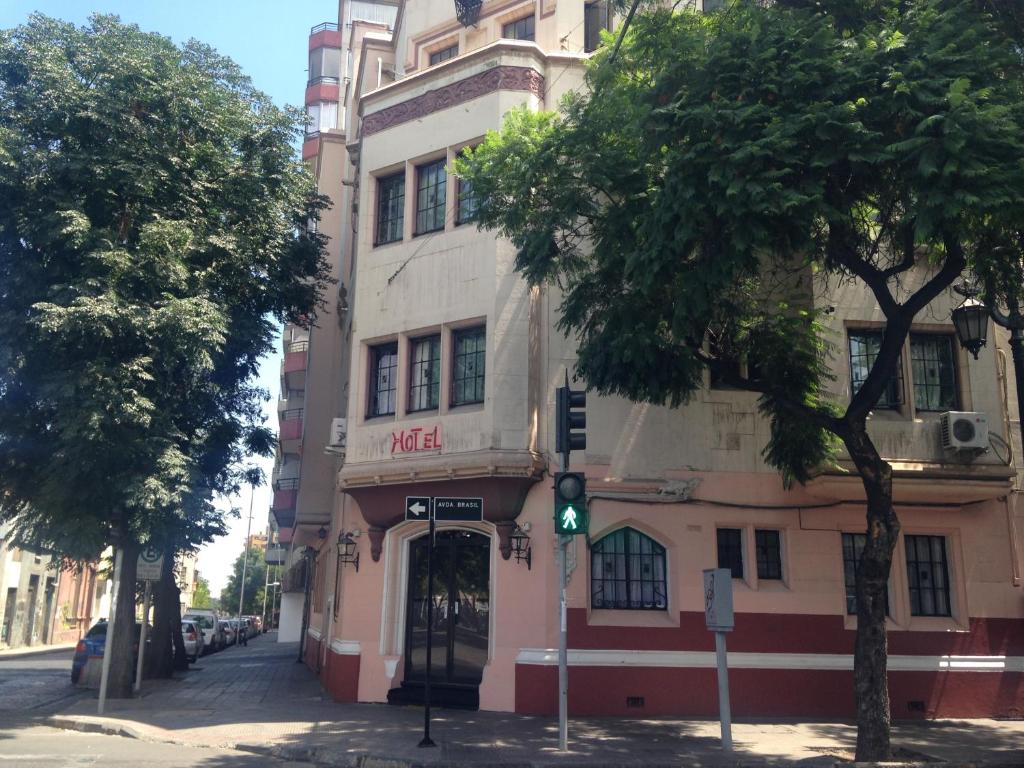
(418, 508)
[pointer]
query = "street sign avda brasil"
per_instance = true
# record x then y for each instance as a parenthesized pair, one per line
(458, 508)
(571, 515)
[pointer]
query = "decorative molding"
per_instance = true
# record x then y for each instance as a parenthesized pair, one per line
(315, 634)
(346, 647)
(813, 661)
(504, 78)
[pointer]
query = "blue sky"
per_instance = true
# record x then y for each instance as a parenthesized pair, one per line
(268, 39)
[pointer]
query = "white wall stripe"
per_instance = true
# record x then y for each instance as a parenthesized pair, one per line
(816, 661)
(315, 634)
(346, 647)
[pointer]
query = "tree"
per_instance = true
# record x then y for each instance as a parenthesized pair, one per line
(153, 229)
(255, 579)
(721, 169)
(201, 598)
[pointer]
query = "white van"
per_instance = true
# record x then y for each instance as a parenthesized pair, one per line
(208, 622)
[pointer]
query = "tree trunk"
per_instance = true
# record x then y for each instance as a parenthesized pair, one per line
(871, 646)
(161, 656)
(121, 646)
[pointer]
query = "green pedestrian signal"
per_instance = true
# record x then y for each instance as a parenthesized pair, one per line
(571, 516)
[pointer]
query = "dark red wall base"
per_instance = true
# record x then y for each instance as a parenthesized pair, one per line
(764, 692)
(340, 676)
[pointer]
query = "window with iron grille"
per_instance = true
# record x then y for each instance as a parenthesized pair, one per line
(383, 375)
(595, 18)
(469, 350)
(425, 374)
(431, 181)
(769, 554)
(521, 29)
(853, 546)
(934, 372)
(444, 54)
(864, 347)
(627, 572)
(730, 550)
(390, 208)
(928, 576)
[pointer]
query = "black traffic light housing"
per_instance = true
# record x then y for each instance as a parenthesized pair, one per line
(571, 514)
(570, 415)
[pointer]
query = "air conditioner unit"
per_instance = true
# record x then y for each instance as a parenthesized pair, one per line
(964, 431)
(339, 436)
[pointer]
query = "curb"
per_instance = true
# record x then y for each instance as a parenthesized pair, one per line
(327, 757)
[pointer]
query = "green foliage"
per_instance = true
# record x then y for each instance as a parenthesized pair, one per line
(152, 232)
(726, 167)
(255, 578)
(201, 598)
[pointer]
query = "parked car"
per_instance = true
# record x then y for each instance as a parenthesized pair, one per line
(208, 620)
(91, 646)
(249, 628)
(227, 628)
(192, 634)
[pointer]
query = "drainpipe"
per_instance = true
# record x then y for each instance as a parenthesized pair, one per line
(305, 606)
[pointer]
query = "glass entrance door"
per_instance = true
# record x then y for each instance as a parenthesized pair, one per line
(461, 598)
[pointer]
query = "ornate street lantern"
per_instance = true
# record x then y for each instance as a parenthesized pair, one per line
(347, 553)
(468, 12)
(520, 540)
(971, 322)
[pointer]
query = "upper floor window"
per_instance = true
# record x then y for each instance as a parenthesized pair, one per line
(933, 370)
(595, 18)
(864, 348)
(521, 29)
(627, 571)
(431, 183)
(928, 575)
(425, 374)
(769, 554)
(383, 376)
(468, 202)
(444, 54)
(469, 347)
(390, 208)
(323, 116)
(324, 64)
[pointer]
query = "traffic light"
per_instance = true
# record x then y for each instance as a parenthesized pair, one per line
(570, 415)
(571, 515)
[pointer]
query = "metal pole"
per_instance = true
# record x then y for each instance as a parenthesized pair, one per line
(426, 741)
(1017, 348)
(105, 670)
(245, 562)
(724, 712)
(563, 635)
(266, 586)
(142, 639)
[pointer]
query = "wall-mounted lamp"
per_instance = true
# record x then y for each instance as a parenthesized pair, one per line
(347, 549)
(520, 539)
(322, 533)
(468, 11)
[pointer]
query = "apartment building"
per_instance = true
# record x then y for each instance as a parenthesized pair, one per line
(432, 374)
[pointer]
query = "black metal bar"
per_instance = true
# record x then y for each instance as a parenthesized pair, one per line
(426, 741)
(1017, 348)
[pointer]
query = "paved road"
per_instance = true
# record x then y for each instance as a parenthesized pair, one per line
(30, 745)
(39, 682)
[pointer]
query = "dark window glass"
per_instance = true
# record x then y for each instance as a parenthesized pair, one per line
(432, 180)
(595, 18)
(864, 347)
(853, 545)
(468, 203)
(383, 373)
(928, 576)
(769, 554)
(390, 208)
(425, 374)
(627, 571)
(444, 54)
(522, 29)
(934, 371)
(468, 366)
(730, 550)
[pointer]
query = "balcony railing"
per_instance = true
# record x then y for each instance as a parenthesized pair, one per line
(323, 80)
(286, 483)
(292, 414)
(298, 346)
(324, 26)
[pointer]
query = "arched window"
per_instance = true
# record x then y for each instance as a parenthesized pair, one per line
(627, 572)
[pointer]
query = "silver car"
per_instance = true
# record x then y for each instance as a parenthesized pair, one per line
(193, 636)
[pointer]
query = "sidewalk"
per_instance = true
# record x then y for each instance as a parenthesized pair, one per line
(31, 650)
(260, 700)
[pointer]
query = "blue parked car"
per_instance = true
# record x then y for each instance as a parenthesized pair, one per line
(91, 647)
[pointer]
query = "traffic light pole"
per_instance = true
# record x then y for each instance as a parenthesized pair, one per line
(426, 741)
(563, 637)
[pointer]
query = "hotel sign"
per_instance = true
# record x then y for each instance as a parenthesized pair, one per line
(416, 439)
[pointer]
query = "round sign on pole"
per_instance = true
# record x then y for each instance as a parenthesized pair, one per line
(150, 564)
